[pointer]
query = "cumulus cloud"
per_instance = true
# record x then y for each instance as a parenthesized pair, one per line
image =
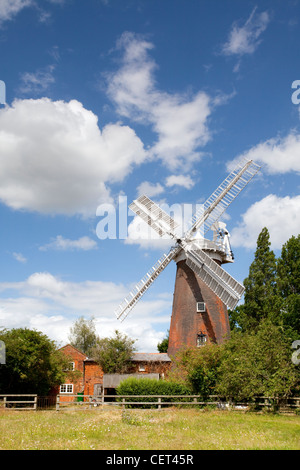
(55, 159)
(278, 155)
(48, 304)
(246, 38)
(152, 189)
(149, 189)
(179, 120)
(280, 215)
(180, 180)
(64, 244)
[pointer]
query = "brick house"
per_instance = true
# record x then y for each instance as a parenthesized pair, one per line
(90, 379)
(74, 383)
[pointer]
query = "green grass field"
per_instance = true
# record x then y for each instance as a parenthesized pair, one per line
(166, 429)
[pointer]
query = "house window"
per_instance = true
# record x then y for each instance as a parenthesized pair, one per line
(66, 388)
(142, 368)
(201, 339)
(70, 367)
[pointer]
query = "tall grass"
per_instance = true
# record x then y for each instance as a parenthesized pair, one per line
(112, 428)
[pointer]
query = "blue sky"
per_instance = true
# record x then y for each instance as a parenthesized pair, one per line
(110, 98)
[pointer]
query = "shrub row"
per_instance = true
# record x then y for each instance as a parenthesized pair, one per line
(144, 386)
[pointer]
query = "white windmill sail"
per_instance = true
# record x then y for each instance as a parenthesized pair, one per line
(140, 289)
(154, 216)
(216, 278)
(223, 196)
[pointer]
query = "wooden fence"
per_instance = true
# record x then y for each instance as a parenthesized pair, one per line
(33, 402)
(291, 404)
(17, 401)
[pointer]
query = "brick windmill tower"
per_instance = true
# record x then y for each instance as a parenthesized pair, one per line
(203, 289)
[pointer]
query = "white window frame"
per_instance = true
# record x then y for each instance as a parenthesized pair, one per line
(70, 367)
(201, 307)
(201, 340)
(66, 388)
(142, 368)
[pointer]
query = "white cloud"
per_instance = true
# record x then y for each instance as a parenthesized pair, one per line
(149, 189)
(179, 120)
(37, 82)
(281, 216)
(180, 180)
(48, 304)
(61, 243)
(279, 155)
(55, 159)
(19, 257)
(44, 285)
(10, 8)
(245, 39)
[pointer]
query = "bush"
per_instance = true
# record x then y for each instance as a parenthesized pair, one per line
(144, 386)
(258, 364)
(197, 368)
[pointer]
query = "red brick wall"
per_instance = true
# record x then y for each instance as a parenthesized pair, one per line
(150, 367)
(186, 322)
(78, 384)
(93, 375)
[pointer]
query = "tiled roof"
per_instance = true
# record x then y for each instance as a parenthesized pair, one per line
(156, 357)
(144, 357)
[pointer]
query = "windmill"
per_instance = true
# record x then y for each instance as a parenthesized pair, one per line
(203, 289)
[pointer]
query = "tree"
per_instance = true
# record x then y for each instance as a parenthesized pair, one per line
(288, 285)
(163, 346)
(33, 363)
(197, 368)
(83, 335)
(260, 299)
(114, 354)
(258, 364)
(288, 268)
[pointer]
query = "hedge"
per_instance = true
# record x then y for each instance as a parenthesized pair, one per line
(144, 386)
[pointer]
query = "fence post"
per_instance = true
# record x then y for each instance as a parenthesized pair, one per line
(90, 402)
(57, 402)
(123, 403)
(4, 401)
(159, 403)
(35, 403)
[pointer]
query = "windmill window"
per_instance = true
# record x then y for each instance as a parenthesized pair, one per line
(201, 307)
(201, 339)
